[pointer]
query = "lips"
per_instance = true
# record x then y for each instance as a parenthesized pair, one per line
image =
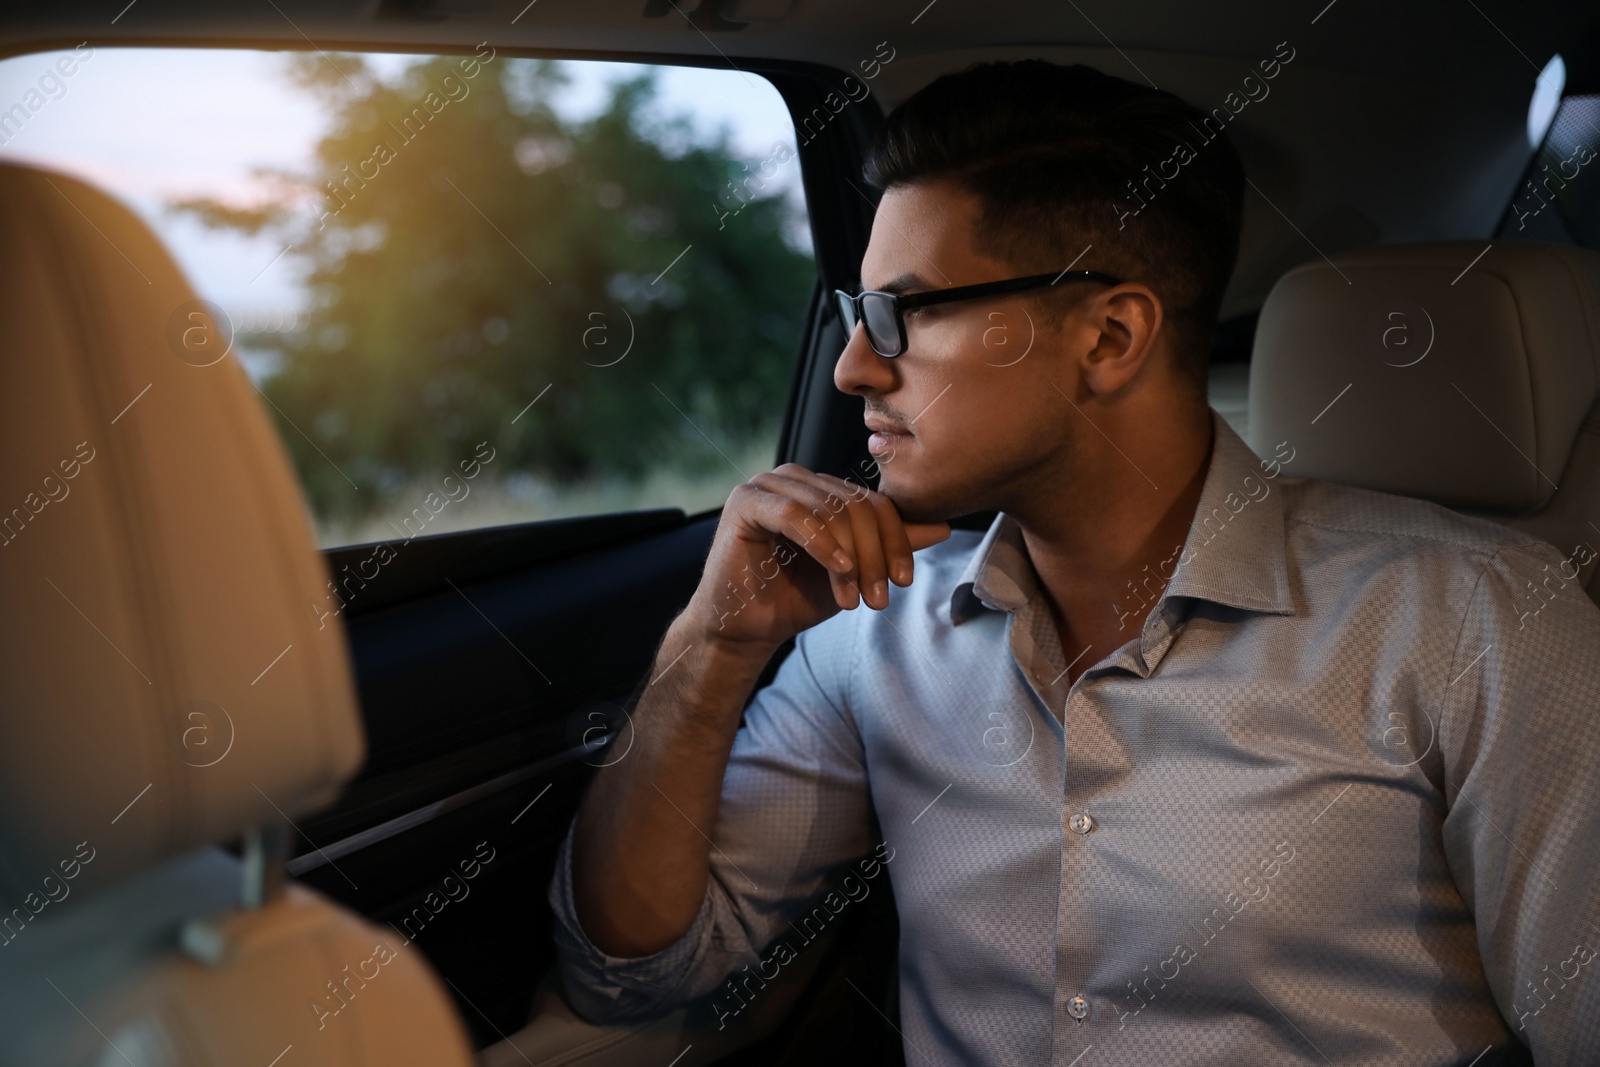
(887, 435)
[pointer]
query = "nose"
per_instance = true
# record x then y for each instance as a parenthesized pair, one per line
(860, 370)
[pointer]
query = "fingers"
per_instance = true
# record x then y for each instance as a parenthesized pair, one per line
(923, 534)
(896, 541)
(801, 512)
(896, 538)
(871, 569)
(855, 533)
(881, 550)
(827, 515)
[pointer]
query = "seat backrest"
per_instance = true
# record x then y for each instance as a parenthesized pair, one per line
(1462, 372)
(166, 679)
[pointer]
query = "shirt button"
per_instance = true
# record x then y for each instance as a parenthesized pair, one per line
(1078, 1008)
(1081, 822)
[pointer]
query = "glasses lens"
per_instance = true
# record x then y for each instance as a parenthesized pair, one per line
(878, 313)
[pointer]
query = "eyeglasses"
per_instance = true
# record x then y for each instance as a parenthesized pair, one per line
(883, 314)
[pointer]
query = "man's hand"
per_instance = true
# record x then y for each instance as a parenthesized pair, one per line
(793, 548)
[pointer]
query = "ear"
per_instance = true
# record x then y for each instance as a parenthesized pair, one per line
(1126, 321)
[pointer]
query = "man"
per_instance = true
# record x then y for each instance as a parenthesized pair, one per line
(1186, 760)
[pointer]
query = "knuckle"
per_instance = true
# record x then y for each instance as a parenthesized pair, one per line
(795, 514)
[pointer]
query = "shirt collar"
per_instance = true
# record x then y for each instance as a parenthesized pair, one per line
(1234, 552)
(999, 576)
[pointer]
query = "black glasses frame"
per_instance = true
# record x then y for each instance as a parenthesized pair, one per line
(851, 306)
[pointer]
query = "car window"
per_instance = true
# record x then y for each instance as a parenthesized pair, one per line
(473, 289)
(1559, 198)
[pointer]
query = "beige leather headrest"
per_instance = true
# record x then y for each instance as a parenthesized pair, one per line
(1437, 370)
(163, 677)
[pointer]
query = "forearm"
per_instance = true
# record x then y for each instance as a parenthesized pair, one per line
(641, 847)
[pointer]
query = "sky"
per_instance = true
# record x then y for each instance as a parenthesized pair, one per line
(149, 125)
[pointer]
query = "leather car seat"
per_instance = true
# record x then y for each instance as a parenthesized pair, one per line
(167, 685)
(1462, 374)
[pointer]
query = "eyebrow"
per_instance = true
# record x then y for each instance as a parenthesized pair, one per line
(900, 285)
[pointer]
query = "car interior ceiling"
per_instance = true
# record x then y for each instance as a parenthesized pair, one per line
(1411, 134)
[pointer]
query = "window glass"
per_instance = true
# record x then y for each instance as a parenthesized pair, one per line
(1559, 198)
(473, 289)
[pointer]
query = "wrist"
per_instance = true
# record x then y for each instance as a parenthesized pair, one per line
(690, 634)
(702, 682)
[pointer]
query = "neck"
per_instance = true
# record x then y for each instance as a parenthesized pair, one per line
(1098, 535)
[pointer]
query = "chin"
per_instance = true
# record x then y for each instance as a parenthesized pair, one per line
(920, 503)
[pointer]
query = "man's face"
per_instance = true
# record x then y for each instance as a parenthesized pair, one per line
(972, 413)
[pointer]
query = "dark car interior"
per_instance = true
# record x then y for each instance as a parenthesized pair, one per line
(492, 668)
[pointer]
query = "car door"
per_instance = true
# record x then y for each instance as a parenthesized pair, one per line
(507, 290)
(496, 666)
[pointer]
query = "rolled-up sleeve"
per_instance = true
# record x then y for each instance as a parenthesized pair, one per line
(1520, 736)
(794, 807)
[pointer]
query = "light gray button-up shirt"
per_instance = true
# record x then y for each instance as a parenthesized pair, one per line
(1338, 801)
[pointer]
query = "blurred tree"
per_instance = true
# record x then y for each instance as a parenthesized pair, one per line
(469, 247)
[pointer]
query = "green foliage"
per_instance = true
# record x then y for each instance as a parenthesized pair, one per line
(477, 248)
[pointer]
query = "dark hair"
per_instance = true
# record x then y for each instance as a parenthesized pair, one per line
(1062, 157)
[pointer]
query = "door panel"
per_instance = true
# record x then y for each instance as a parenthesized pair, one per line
(477, 698)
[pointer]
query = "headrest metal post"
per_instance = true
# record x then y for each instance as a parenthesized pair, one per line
(266, 852)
